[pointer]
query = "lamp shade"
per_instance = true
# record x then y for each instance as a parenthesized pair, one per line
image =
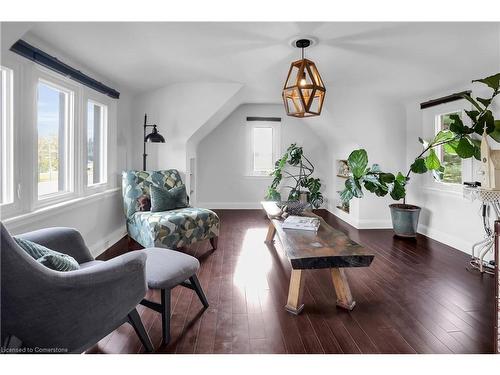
(304, 91)
(154, 137)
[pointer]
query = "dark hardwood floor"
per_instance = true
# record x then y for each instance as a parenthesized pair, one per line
(416, 297)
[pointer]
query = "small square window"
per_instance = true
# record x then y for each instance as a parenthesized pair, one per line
(263, 161)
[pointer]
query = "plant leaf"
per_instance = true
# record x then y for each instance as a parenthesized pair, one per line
(358, 160)
(401, 178)
(354, 187)
(387, 178)
(375, 168)
(491, 81)
(346, 195)
(451, 147)
(465, 148)
(398, 191)
(477, 148)
(495, 134)
(489, 122)
(432, 161)
(457, 126)
(418, 166)
(443, 136)
(294, 195)
(472, 115)
(483, 101)
(273, 195)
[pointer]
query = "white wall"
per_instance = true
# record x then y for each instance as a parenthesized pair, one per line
(222, 158)
(179, 110)
(353, 119)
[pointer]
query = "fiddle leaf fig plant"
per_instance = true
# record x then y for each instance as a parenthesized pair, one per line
(297, 169)
(460, 139)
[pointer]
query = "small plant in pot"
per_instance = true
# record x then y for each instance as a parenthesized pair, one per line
(297, 170)
(460, 139)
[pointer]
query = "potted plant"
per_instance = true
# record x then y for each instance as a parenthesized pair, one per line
(460, 139)
(303, 186)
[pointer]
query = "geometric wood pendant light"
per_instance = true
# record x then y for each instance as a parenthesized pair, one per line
(304, 91)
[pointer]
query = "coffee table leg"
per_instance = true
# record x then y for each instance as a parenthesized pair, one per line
(270, 233)
(294, 304)
(344, 296)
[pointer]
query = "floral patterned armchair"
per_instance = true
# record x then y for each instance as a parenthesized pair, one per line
(170, 229)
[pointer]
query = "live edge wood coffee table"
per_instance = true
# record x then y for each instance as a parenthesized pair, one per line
(306, 250)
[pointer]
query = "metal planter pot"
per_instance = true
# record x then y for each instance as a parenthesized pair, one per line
(405, 219)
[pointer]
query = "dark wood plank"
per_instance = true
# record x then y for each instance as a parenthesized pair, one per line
(416, 297)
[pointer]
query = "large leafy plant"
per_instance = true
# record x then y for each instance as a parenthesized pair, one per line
(297, 170)
(460, 139)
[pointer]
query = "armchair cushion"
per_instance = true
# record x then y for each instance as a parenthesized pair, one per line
(49, 258)
(165, 200)
(174, 228)
(168, 268)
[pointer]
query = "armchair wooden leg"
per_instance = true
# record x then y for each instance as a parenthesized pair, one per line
(213, 242)
(135, 320)
(199, 291)
(165, 315)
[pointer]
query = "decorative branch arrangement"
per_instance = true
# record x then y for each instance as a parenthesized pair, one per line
(458, 140)
(301, 181)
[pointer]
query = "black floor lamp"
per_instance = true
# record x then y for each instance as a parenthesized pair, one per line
(154, 137)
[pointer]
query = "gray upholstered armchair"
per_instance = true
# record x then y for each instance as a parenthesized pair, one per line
(67, 310)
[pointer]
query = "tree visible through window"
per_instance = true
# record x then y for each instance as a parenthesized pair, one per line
(450, 161)
(52, 118)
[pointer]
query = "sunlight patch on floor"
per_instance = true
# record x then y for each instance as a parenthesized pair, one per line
(254, 262)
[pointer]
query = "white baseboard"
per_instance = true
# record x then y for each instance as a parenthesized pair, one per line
(230, 205)
(453, 241)
(374, 224)
(107, 242)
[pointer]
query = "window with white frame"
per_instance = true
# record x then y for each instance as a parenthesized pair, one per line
(264, 142)
(57, 148)
(54, 119)
(6, 136)
(451, 162)
(96, 128)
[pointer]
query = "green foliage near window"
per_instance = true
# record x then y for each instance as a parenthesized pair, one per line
(301, 179)
(48, 154)
(458, 140)
(452, 163)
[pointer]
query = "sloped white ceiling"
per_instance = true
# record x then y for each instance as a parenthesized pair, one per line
(397, 60)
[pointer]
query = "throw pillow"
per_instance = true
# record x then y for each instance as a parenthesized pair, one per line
(168, 199)
(49, 258)
(144, 203)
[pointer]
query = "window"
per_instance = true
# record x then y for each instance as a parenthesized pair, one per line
(96, 143)
(6, 136)
(54, 114)
(59, 148)
(452, 163)
(263, 151)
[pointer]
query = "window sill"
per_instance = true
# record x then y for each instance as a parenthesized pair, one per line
(40, 213)
(258, 176)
